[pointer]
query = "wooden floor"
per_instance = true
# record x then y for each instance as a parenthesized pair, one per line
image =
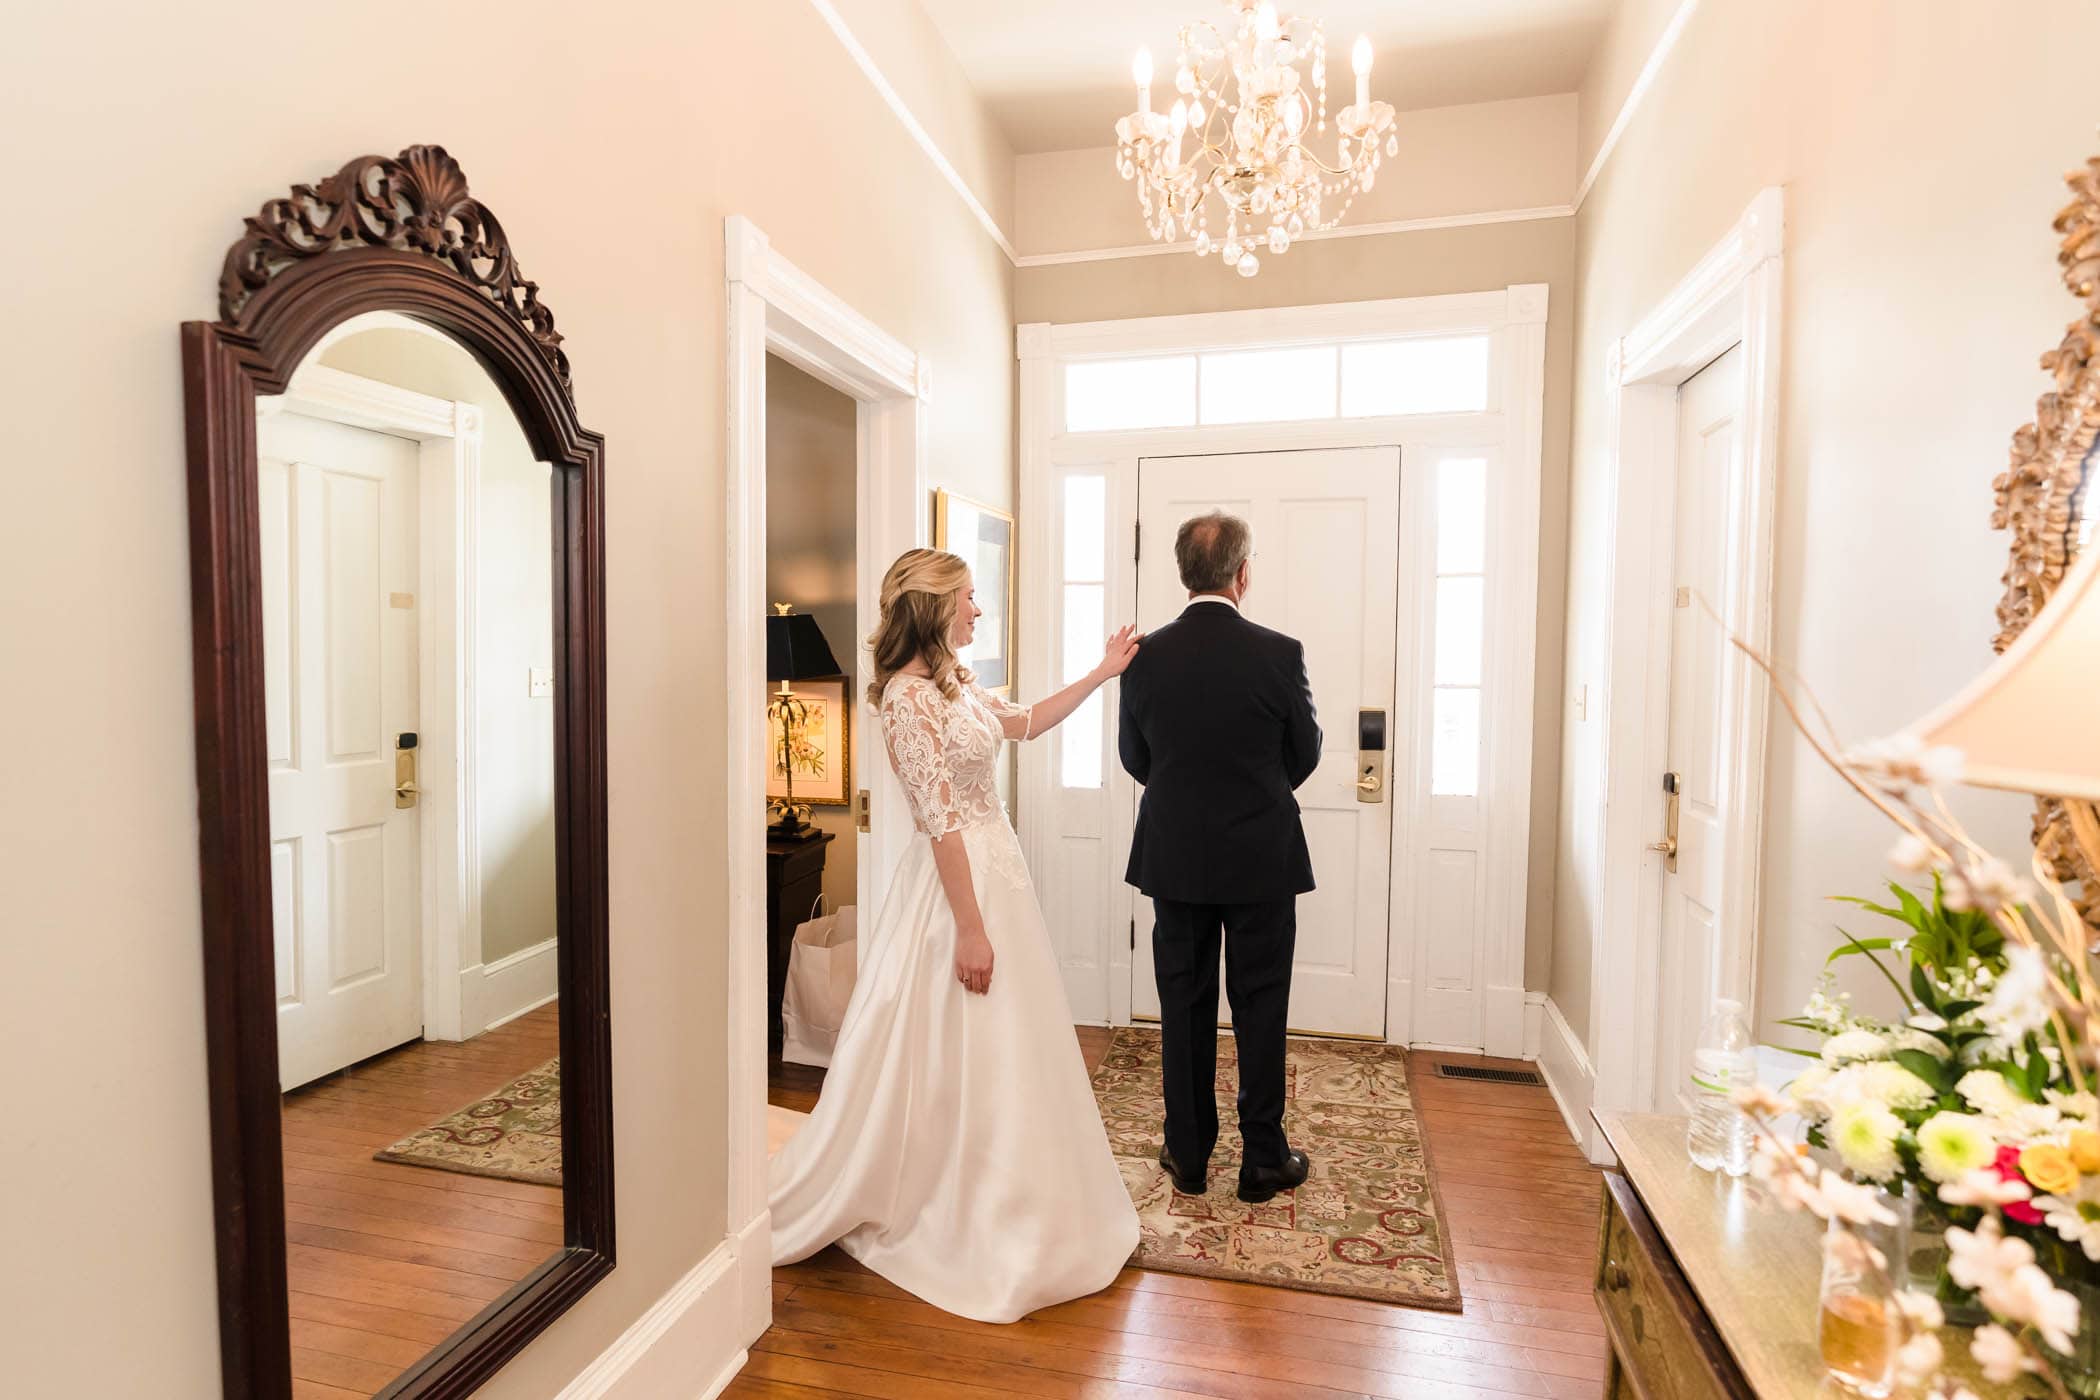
(1521, 1205)
(388, 1260)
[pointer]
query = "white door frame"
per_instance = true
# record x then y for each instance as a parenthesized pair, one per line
(449, 493)
(1510, 429)
(776, 307)
(1732, 297)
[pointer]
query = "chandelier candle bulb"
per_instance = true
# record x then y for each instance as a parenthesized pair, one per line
(1141, 69)
(1360, 60)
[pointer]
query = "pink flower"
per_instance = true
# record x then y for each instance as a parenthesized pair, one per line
(2008, 1165)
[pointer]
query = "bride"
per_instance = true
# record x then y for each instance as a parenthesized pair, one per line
(956, 1149)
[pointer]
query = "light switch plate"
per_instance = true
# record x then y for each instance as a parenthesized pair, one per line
(540, 682)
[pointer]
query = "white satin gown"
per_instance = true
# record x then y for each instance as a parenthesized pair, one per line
(956, 1149)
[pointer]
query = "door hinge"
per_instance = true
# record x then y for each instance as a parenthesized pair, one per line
(1137, 540)
(1133, 935)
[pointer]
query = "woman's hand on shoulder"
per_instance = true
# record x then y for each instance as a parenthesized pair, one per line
(1122, 650)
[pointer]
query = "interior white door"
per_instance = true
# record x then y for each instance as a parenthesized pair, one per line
(339, 561)
(1709, 407)
(1326, 539)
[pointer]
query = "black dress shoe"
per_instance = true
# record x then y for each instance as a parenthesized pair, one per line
(1187, 1185)
(1258, 1184)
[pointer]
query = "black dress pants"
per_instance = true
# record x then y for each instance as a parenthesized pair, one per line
(1259, 940)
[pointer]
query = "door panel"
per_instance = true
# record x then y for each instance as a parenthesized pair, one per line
(339, 551)
(1708, 408)
(1326, 537)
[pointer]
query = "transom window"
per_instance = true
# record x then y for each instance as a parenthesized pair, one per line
(1286, 384)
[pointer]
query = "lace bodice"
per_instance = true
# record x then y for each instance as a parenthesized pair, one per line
(946, 751)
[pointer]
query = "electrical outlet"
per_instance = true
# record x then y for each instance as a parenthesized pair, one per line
(539, 682)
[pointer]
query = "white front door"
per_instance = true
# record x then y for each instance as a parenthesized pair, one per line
(1709, 406)
(1326, 540)
(339, 561)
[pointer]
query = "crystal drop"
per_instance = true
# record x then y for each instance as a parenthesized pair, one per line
(1278, 239)
(1249, 265)
(1392, 145)
(1196, 114)
(1203, 243)
(1341, 150)
(1296, 226)
(1232, 250)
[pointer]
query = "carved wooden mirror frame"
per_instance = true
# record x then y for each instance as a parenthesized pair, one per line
(2043, 496)
(395, 234)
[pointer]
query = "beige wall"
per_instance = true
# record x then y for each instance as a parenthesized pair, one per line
(810, 559)
(1921, 161)
(1390, 265)
(611, 141)
(1479, 158)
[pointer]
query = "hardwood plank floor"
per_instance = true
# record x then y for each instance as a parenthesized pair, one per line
(1519, 1200)
(387, 1260)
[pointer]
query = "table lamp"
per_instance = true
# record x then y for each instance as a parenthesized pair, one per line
(795, 651)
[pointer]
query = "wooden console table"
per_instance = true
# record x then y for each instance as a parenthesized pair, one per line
(794, 879)
(1707, 1291)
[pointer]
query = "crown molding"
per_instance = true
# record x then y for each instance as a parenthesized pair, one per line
(1645, 79)
(1436, 221)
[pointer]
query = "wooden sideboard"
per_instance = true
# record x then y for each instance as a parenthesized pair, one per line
(1708, 1292)
(794, 879)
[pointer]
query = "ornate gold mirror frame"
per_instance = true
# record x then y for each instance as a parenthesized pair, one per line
(2042, 498)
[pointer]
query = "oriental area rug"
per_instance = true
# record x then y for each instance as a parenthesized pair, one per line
(513, 1134)
(1366, 1224)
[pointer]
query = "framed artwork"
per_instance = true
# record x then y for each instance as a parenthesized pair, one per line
(822, 749)
(983, 535)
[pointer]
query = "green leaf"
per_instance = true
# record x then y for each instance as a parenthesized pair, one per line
(1927, 1068)
(2037, 1076)
(1857, 945)
(1922, 985)
(1954, 1009)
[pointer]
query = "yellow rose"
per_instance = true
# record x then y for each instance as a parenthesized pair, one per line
(2085, 1150)
(2049, 1168)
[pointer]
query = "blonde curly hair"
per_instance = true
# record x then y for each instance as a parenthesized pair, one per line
(921, 595)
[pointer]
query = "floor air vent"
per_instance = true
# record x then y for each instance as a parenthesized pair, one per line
(1492, 1076)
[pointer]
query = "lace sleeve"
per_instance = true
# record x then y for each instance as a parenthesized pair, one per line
(914, 716)
(1004, 710)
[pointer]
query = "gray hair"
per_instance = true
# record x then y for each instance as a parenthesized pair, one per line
(1209, 549)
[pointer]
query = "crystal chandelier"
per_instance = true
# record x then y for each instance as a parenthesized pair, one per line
(1250, 152)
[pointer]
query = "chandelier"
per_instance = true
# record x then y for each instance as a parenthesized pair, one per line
(1250, 154)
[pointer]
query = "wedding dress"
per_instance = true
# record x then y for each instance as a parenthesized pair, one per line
(956, 1149)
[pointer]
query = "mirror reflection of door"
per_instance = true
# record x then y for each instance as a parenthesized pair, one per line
(407, 550)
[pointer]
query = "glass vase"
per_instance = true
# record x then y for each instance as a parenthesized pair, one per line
(1860, 1327)
(2078, 1369)
(1926, 1261)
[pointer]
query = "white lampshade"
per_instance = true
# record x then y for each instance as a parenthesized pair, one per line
(2028, 723)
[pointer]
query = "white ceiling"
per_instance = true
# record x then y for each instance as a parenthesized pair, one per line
(1056, 73)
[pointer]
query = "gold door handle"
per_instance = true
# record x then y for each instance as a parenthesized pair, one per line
(1668, 847)
(405, 795)
(1368, 783)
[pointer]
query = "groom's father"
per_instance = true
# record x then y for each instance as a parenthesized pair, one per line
(1218, 724)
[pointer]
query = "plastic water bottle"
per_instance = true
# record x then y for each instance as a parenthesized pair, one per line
(1725, 1060)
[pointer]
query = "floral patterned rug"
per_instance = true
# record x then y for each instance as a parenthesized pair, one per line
(1367, 1222)
(514, 1133)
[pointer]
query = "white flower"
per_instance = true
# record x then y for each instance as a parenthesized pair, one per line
(1902, 761)
(1806, 1092)
(2002, 1358)
(2075, 1218)
(1985, 883)
(1864, 1134)
(1927, 1021)
(2076, 1105)
(2010, 1284)
(1911, 1038)
(1888, 1082)
(1856, 1202)
(1911, 855)
(1791, 1177)
(2020, 1001)
(1854, 1045)
(1951, 1145)
(2031, 1296)
(1987, 1092)
(1984, 1187)
(1922, 1309)
(1759, 1102)
(1920, 1358)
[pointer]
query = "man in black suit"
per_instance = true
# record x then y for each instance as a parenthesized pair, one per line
(1217, 723)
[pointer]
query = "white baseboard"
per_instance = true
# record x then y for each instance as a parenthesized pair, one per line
(754, 1253)
(492, 993)
(687, 1346)
(1534, 1022)
(1566, 1067)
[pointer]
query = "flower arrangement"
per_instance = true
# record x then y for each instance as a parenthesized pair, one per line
(1976, 1102)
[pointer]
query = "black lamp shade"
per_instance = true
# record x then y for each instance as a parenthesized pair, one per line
(796, 649)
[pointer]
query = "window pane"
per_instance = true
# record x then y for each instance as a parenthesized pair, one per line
(1445, 374)
(1102, 395)
(1461, 516)
(1269, 386)
(1086, 528)
(1460, 625)
(1454, 754)
(1079, 739)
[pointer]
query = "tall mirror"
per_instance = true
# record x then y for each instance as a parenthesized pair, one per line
(401, 760)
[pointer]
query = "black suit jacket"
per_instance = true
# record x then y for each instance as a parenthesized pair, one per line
(1217, 722)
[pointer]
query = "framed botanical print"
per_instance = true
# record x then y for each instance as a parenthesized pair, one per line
(984, 536)
(820, 749)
